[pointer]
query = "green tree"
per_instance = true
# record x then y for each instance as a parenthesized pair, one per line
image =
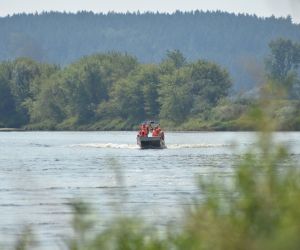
(23, 73)
(192, 90)
(176, 58)
(148, 79)
(134, 98)
(8, 114)
(49, 107)
(209, 82)
(173, 60)
(71, 98)
(283, 60)
(174, 96)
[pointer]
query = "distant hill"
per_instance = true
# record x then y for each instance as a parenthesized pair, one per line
(237, 42)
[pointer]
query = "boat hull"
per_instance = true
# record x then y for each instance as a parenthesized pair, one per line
(150, 142)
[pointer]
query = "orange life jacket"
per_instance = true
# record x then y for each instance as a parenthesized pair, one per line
(155, 132)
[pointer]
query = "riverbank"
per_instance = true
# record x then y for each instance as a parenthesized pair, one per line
(11, 129)
(191, 125)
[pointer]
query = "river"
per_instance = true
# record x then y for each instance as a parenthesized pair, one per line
(42, 172)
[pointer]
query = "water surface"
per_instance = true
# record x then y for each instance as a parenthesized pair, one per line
(41, 172)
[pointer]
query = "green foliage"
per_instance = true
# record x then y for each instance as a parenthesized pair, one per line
(71, 97)
(134, 98)
(282, 65)
(108, 91)
(257, 208)
(284, 58)
(20, 83)
(114, 91)
(230, 110)
(174, 59)
(174, 95)
(127, 99)
(191, 90)
(7, 103)
(26, 239)
(209, 82)
(50, 104)
(149, 79)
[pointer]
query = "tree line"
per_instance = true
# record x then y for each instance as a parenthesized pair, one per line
(107, 91)
(236, 42)
(116, 91)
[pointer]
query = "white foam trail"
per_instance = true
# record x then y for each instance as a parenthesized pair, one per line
(107, 145)
(178, 146)
(134, 146)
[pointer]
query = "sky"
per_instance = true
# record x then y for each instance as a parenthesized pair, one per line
(264, 8)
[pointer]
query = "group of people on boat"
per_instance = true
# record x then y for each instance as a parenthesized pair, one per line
(156, 131)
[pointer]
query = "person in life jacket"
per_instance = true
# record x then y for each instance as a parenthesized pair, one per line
(143, 130)
(156, 131)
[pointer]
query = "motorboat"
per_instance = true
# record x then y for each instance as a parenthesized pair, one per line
(151, 136)
(150, 142)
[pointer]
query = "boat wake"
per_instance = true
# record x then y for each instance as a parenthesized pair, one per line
(179, 146)
(108, 145)
(134, 146)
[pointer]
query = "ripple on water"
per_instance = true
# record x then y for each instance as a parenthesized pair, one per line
(40, 174)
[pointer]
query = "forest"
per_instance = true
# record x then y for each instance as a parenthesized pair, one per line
(238, 43)
(114, 91)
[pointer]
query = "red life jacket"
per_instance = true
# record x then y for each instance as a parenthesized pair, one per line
(155, 132)
(143, 130)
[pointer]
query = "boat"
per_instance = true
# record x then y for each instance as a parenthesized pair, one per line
(150, 142)
(156, 141)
